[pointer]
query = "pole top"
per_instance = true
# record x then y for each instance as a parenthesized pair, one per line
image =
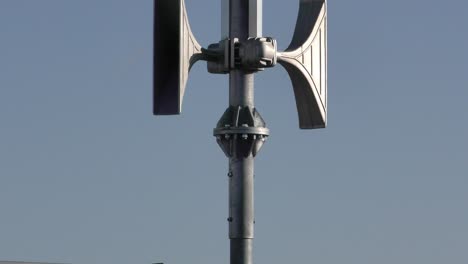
(255, 18)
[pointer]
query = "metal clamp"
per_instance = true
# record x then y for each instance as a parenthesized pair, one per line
(254, 54)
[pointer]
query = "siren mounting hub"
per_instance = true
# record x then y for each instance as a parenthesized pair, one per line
(253, 54)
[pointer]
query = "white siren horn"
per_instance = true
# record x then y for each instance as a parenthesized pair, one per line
(175, 52)
(306, 62)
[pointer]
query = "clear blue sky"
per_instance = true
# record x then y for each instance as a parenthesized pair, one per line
(89, 176)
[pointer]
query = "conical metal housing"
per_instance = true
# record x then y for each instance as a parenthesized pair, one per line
(306, 62)
(175, 52)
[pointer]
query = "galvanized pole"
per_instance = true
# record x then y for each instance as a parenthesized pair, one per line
(241, 164)
(241, 131)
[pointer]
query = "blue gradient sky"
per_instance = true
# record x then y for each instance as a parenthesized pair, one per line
(88, 175)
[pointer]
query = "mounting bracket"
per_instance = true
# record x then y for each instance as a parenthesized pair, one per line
(253, 54)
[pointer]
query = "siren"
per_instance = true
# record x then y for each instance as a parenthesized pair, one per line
(306, 62)
(242, 51)
(175, 52)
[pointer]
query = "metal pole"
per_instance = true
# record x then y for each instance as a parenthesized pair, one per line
(241, 130)
(241, 182)
(241, 207)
